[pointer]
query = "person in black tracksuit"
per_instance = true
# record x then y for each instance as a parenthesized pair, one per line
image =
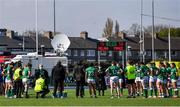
(100, 82)
(58, 76)
(79, 75)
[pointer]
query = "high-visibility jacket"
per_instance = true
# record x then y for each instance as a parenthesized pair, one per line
(131, 72)
(17, 74)
(40, 84)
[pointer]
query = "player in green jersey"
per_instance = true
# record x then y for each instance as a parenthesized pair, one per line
(8, 80)
(90, 78)
(167, 81)
(113, 72)
(173, 77)
(144, 77)
(159, 82)
(120, 75)
(25, 79)
(139, 89)
(152, 80)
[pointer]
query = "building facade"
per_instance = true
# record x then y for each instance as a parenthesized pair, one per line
(85, 48)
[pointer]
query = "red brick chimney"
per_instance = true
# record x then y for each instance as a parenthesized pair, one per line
(84, 34)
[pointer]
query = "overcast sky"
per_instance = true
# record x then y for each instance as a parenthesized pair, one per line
(74, 16)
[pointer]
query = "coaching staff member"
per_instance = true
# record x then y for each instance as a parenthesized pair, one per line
(58, 76)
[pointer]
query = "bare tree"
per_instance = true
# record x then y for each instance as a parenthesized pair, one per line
(108, 30)
(134, 29)
(116, 29)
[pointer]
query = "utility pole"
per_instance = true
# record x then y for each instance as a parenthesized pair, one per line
(37, 27)
(153, 58)
(169, 41)
(141, 35)
(143, 46)
(54, 17)
(23, 45)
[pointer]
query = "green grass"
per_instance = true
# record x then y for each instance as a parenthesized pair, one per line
(71, 100)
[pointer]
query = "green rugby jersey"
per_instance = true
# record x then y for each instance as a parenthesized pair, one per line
(144, 70)
(91, 72)
(173, 74)
(113, 70)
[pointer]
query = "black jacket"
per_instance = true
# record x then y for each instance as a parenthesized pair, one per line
(58, 72)
(79, 73)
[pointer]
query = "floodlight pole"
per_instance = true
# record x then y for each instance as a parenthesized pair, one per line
(144, 52)
(37, 27)
(169, 41)
(141, 36)
(153, 58)
(54, 5)
(23, 45)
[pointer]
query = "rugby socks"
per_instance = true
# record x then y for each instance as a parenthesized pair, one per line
(151, 92)
(11, 92)
(8, 93)
(145, 93)
(176, 92)
(170, 92)
(155, 92)
(121, 90)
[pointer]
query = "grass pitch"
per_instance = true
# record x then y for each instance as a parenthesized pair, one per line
(71, 100)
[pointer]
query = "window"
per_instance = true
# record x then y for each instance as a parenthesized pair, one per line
(129, 53)
(82, 53)
(160, 54)
(102, 53)
(148, 53)
(173, 53)
(90, 52)
(75, 53)
(120, 53)
(110, 53)
(69, 52)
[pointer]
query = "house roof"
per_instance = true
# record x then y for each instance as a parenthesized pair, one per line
(89, 43)
(80, 43)
(30, 42)
(17, 41)
(160, 43)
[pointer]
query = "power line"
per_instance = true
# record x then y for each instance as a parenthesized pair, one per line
(164, 18)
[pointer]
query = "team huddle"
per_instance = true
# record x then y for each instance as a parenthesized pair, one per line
(140, 79)
(15, 80)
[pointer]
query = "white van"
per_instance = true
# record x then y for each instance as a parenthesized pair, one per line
(48, 61)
